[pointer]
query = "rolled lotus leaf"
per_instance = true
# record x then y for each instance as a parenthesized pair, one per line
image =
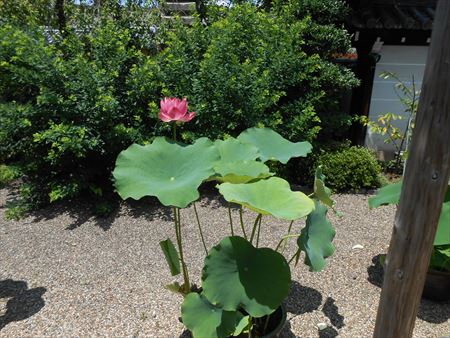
(236, 274)
(273, 146)
(269, 197)
(321, 192)
(166, 170)
(316, 238)
(206, 320)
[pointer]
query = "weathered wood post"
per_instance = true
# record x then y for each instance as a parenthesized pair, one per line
(424, 185)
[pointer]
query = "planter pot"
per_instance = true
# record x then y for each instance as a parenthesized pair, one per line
(437, 286)
(276, 323)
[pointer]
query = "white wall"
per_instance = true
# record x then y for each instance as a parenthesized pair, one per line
(405, 61)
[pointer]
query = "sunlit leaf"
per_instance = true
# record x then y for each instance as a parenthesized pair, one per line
(272, 146)
(269, 197)
(169, 171)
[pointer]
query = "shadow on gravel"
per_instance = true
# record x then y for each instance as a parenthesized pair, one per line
(375, 271)
(332, 312)
(302, 299)
(429, 311)
(101, 211)
(434, 312)
(17, 302)
(329, 332)
(185, 334)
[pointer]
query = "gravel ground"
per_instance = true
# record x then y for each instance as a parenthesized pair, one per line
(65, 273)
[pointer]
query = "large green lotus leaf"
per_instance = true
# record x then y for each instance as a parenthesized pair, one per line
(321, 192)
(240, 171)
(272, 146)
(236, 274)
(316, 238)
(233, 150)
(269, 197)
(166, 170)
(206, 320)
(390, 194)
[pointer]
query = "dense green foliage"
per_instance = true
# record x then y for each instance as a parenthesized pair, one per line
(8, 174)
(350, 169)
(75, 92)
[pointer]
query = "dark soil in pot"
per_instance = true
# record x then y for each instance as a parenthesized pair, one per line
(437, 286)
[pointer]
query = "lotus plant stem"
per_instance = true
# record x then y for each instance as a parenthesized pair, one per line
(259, 230)
(231, 220)
(174, 129)
(242, 222)
(288, 233)
(255, 225)
(292, 258)
(187, 286)
(200, 229)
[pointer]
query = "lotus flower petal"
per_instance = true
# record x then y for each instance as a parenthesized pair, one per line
(174, 109)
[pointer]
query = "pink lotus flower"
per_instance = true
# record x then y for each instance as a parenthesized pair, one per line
(173, 109)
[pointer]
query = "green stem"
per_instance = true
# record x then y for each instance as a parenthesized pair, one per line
(250, 320)
(231, 220)
(242, 222)
(259, 230)
(284, 238)
(254, 227)
(288, 233)
(187, 286)
(295, 255)
(174, 129)
(200, 229)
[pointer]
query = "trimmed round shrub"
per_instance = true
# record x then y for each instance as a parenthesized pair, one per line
(350, 169)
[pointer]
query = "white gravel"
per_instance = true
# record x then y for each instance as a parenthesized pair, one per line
(65, 273)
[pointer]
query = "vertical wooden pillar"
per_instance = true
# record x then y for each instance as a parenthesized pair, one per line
(424, 185)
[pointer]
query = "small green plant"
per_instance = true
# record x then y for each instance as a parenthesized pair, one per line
(440, 258)
(242, 284)
(8, 174)
(385, 124)
(350, 169)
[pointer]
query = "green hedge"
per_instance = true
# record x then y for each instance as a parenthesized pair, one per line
(350, 169)
(68, 107)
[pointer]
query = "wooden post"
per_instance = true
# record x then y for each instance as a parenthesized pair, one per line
(424, 185)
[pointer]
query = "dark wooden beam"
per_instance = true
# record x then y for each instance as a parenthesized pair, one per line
(424, 185)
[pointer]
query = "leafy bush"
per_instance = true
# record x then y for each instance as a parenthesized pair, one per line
(250, 67)
(8, 174)
(350, 169)
(71, 99)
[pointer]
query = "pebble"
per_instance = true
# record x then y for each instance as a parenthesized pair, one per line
(322, 326)
(357, 246)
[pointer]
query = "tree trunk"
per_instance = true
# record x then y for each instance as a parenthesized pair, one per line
(424, 186)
